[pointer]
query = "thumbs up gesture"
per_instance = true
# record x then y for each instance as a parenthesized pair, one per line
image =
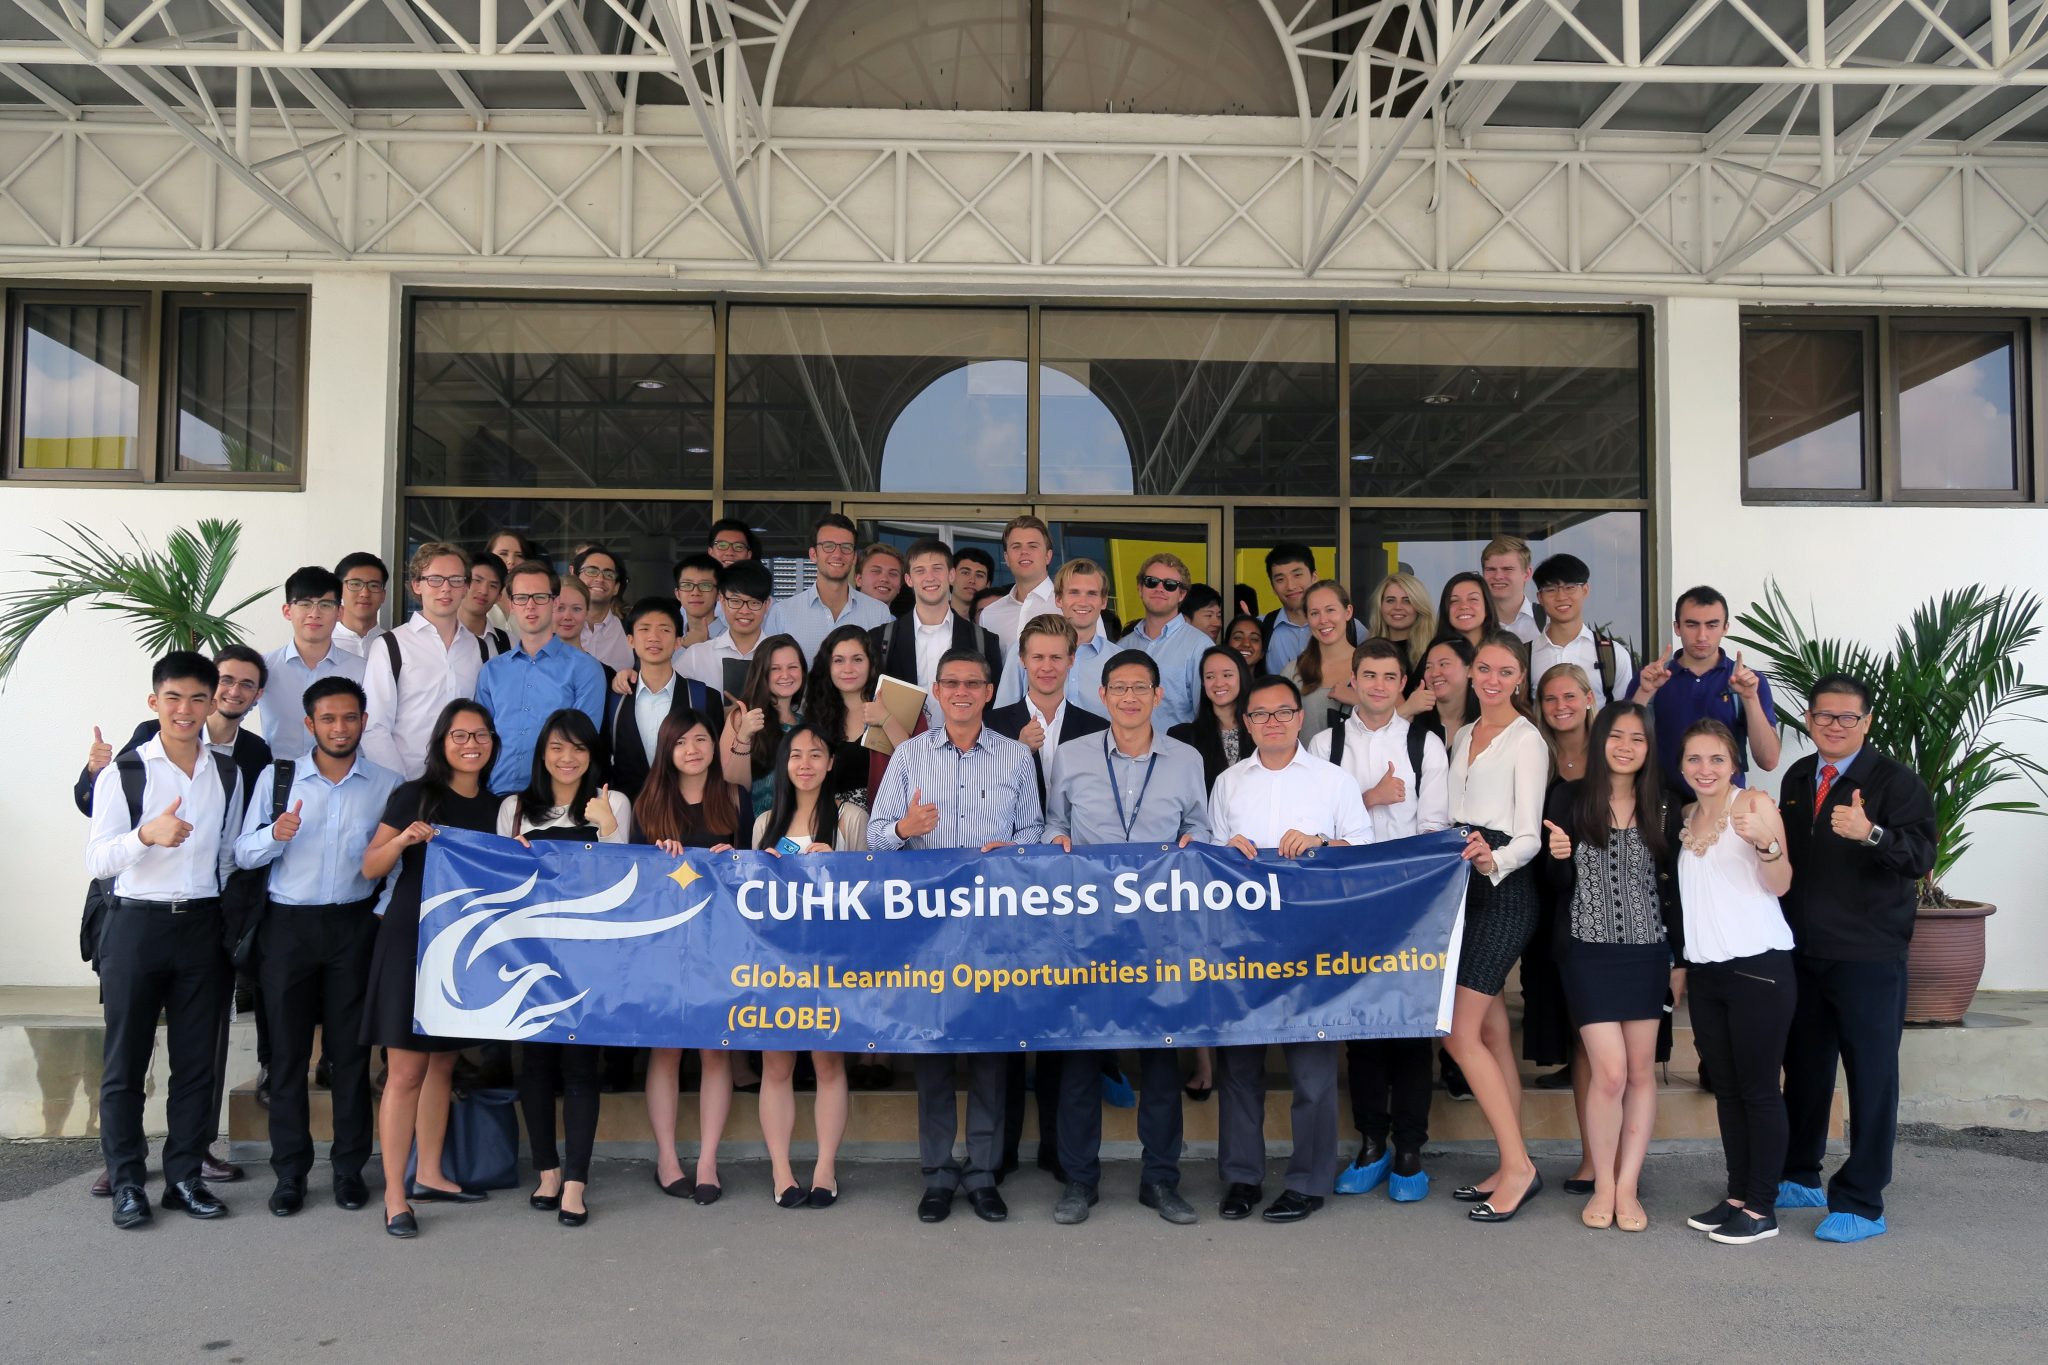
(167, 830)
(921, 818)
(1032, 735)
(101, 753)
(1743, 681)
(287, 824)
(598, 811)
(1388, 791)
(1560, 842)
(1850, 821)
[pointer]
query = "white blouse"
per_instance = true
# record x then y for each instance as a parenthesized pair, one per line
(853, 828)
(1729, 912)
(1502, 790)
(512, 824)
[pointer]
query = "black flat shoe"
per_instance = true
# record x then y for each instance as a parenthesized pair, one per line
(1578, 1187)
(795, 1197)
(433, 1194)
(821, 1198)
(402, 1225)
(546, 1203)
(1471, 1194)
(682, 1187)
(1198, 1093)
(573, 1220)
(706, 1194)
(1487, 1213)
(1239, 1201)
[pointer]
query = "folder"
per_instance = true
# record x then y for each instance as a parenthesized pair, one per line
(904, 702)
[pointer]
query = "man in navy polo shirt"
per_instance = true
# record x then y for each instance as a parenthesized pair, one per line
(1700, 682)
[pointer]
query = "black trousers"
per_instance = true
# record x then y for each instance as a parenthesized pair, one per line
(1391, 1082)
(575, 1071)
(157, 961)
(1741, 1013)
(315, 970)
(1041, 1079)
(1854, 1012)
(1159, 1114)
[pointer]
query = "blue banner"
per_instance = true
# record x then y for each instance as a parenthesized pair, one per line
(1133, 945)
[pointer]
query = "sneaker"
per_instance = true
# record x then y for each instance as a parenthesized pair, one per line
(1791, 1196)
(1849, 1227)
(1741, 1229)
(1712, 1218)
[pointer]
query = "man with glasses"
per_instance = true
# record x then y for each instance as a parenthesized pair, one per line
(1082, 590)
(697, 595)
(1172, 640)
(543, 675)
(1563, 583)
(1027, 549)
(830, 601)
(958, 786)
(312, 603)
(1860, 831)
(422, 665)
(1700, 682)
(731, 540)
(364, 584)
(603, 576)
(744, 590)
(1132, 785)
(1286, 799)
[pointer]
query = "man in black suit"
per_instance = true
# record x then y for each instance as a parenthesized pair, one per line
(1859, 829)
(634, 712)
(911, 646)
(242, 677)
(1043, 721)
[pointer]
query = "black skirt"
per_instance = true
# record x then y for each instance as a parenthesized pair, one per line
(387, 1006)
(1499, 921)
(1612, 983)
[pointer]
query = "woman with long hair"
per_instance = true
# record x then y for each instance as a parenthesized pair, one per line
(766, 708)
(1498, 770)
(839, 701)
(1247, 635)
(1564, 713)
(1401, 613)
(1447, 702)
(453, 791)
(1218, 732)
(1323, 669)
(685, 803)
(806, 818)
(1465, 610)
(1613, 839)
(565, 800)
(1738, 955)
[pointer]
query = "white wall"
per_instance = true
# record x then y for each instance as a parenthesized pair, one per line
(1861, 569)
(84, 669)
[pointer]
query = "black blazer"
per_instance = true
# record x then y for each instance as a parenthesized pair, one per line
(251, 756)
(1209, 744)
(1561, 876)
(628, 762)
(895, 644)
(1009, 722)
(1848, 902)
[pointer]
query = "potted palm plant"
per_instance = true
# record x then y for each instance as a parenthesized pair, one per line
(167, 594)
(1951, 676)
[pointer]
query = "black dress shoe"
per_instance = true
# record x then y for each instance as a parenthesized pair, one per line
(193, 1197)
(795, 1197)
(1167, 1200)
(1291, 1207)
(1487, 1213)
(131, 1207)
(988, 1204)
(323, 1074)
(1239, 1201)
(289, 1196)
(935, 1205)
(434, 1194)
(103, 1188)
(402, 1224)
(705, 1194)
(350, 1192)
(1578, 1187)
(219, 1172)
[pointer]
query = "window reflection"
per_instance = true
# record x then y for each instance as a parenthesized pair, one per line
(239, 385)
(81, 398)
(1956, 427)
(648, 536)
(1802, 408)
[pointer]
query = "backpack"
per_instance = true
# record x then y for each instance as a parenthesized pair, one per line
(99, 894)
(245, 897)
(1418, 740)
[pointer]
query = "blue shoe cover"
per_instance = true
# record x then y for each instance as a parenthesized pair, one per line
(1117, 1093)
(1407, 1189)
(1791, 1196)
(1849, 1227)
(1356, 1179)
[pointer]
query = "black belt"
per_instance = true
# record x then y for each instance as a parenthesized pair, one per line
(181, 906)
(367, 903)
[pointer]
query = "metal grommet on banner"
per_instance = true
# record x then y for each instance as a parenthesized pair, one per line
(1321, 1034)
(1169, 1040)
(572, 1037)
(871, 857)
(1022, 1043)
(871, 1047)
(588, 847)
(725, 1042)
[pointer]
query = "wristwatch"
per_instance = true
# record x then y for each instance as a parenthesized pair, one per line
(1876, 833)
(1770, 852)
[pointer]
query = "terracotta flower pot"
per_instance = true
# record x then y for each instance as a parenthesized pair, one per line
(1945, 962)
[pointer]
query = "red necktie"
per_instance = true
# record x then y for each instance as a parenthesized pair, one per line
(1821, 788)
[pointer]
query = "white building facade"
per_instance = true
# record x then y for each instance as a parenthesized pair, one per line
(1700, 291)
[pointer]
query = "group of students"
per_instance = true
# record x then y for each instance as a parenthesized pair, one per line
(1616, 855)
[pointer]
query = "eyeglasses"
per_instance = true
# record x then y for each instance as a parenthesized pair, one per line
(471, 736)
(322, 605)
(591, 571)
(1127, 689)
(734, 602)
(732, 546)
(958, 684)
(834, 547)
(443, 580)
(1146, 580)
(1838, 720)
(686, 585)
(1283, 714)
(372, 586)
(240, 685)
(1558, 587)
(525, 599)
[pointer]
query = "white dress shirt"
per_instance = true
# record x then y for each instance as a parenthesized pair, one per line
(705, 660)
(402, 710)
(195, 869)
(1006, 617)
(1424, 806)
(344, 638)
(1310, 794)
(1049, 747)
(607, 642)
(1502, 790)
(1584, 651)
(650, 708)
(932, 643)
(1524, 625)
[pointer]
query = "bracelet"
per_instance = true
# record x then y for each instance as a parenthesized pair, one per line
(738, 750)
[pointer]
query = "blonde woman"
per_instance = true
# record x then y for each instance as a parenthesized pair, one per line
(1564, 714)
(1401, 612)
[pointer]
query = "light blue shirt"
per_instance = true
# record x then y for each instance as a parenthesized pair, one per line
(1286, 644)
(522, 690)
(283, 708)
(650, 709)
(1178, 652)
(323, 863)
(1097, 790)
(806, 619)
(985, 793)
(1084, 680)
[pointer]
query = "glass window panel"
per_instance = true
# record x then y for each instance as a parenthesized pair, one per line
(241, 390)
(1188, 403)
(1803, 402)
(648, 537)
(1496, 406)
(784, 530)
(1121, 553)
(884, 54)
(561, 395)
(1434, 543)
(900, 400)
(81, 395)
(1165, 57)
(1259, 529)
(1956, 428)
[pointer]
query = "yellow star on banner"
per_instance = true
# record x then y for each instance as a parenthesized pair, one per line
(684, 875)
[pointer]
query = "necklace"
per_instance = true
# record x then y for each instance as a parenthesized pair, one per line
(1700, 843)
